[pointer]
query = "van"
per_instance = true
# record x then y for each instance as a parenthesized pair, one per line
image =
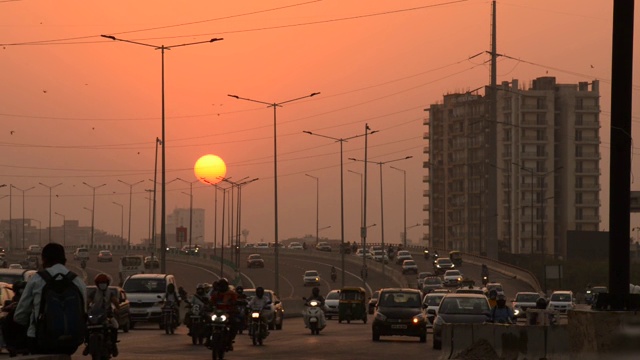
(145, 292)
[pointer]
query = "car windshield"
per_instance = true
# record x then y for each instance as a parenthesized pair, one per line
(334, 295)
(432, 281)
(433, 300)
(530, 298)
(497, 288)
(311, 273)
(452, 273)
(145, 285)
(463, 305)
(561, 297)
(105, 252)
(251, 293)
(409, 262)
(444, 262)
(403, 253)
(253, 257)
(423, 275)
(599, 289)
(399, 299)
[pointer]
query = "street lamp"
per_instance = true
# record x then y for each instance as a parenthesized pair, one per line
(404, 176)
(190, 207)
(542, 206)
(121, 222)
(93, 208)
(64, 229)
(50, 188)
(39, 231)
(361, 198)
(275, 105)
(163, 234)
(130, 200)
(317, 204)
(23, 216)
(91, 211)
(380, 163)
(341, 141)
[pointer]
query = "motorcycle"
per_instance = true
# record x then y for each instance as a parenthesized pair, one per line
(99, 344)
(197, 325)
(83, 264)
(241, 317)
(314, 316)
(219, 334)
(485, 280)
(169, 319)
(426, 254)
(334, 277)
(258, 330)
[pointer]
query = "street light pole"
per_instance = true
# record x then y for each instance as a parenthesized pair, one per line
(93, 208)
(341, 141)
(39, 231)
(162, 48)
(121, 223)
(317, 204)
(542, 206)
(23, 215)
(404, 175)
(275, 105)
(50, 188)
(130, 201)
(64, 229)
(90, 210)
(532, 172)
(361, 197)
(190, 207)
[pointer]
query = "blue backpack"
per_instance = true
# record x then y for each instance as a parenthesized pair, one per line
(61, 323)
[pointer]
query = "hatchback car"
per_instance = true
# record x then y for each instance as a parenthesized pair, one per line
(399, 312)
(122, 316)
(323, 246)
(409, 266)
(331, 302)
(495, 286)
(311, 278)
(295, 246)
(561, 301)
(255, 261)
(105, 256)
(458, 309)
(402, 256)
(81, 254)
(432, 302)
(421, 276)
(431, 283)
(441, 265)
(452, 278)
(275, 313)
(523, 301)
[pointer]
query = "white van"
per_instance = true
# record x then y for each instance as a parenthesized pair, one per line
(145, 292)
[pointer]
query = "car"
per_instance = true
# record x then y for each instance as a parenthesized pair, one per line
(561, 301)
(373, 300)
(399, 312)
(331, 302)
(151, 262)
(470, 290)
(261, 245)
(3, 261)
(145, 292)
(124, 306)
(15, 266)
(409, 266)
(190, 249)
(380, 256)
(13, 274)
(34, 250)
(275, 313)
(524, 300)
(367, 253)
(452, 278)
(311, 278)
(249, 245)
(421, 276)
(295, 246)
(495, 286)
(431, 283)
(459, 309)
(32, 262)
(402, 256)
(431, 301)
(441, 265)
(105, 255)
(323, 246)
(255, 261)
(81, 253)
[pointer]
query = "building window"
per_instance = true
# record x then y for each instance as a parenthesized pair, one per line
(579, 198)
(541, 135)
(578, 135)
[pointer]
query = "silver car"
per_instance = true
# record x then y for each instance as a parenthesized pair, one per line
(331, 302)
(311, 278)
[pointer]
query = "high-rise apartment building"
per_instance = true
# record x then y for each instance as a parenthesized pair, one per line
(180, 218)
(547, 166)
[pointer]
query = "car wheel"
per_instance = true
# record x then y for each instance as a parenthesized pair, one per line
(375, 336)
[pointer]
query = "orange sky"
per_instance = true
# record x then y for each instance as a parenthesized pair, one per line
(84, 108)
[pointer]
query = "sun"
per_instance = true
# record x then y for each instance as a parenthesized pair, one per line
(209, 169)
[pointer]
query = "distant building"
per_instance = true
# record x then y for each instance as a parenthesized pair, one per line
(180, 217)
(547, 166)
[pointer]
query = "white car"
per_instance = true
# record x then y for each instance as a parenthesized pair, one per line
(296, 246)
(331, 302)
(380, 255)
(402, 256)
(431, 301)
(359, 253)
(409, 266)
(561, 301)
(261, 245)
(452, 277)
(523, 301)
(311, 277)
(81, 254)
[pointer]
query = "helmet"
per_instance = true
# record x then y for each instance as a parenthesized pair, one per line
(315, 291)
(541, 303)
(501, 301)
(239, 289)
(223, 285)
(493, 294)
(101, 279)
(260, 292)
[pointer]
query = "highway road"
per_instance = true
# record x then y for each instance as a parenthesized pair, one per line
(348, 341)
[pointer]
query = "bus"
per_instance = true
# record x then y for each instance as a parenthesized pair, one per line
(130, 265)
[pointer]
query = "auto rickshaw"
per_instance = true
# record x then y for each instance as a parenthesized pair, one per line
(456, 258)
(352, 304)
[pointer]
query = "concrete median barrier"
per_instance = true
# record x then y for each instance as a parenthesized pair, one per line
(43, 357)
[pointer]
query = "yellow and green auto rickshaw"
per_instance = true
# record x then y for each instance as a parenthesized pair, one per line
(352, 304)
(456, 258)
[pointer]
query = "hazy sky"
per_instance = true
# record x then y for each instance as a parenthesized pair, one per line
(75, 107)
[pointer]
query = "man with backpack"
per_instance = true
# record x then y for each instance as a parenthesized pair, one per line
(53, 306)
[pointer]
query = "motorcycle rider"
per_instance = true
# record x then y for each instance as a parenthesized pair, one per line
(334, 275)
(171, 298)
(225, 299)
(242, 307)
(259, 302)
(501, 313)
(484, 273)
(493, 298)
(107, 301)
(315, 295)
(199, 298)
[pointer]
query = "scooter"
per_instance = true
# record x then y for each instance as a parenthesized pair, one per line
(99, 339)
(314, 316)
(426, 254)
(485, 280)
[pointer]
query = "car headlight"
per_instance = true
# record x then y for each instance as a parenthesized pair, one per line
(317, 279)
(516, 312)
(417, 319)
(380, 316)
(459, 279)
(438, 266)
